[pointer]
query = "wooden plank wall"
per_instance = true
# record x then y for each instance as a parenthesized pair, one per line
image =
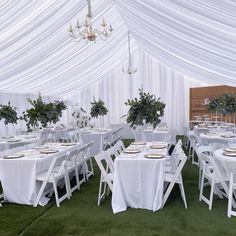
(197, 96)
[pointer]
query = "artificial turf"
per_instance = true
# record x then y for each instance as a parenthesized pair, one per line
(81, 216)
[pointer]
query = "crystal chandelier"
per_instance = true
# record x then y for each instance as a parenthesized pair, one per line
(130, 70)
(87, 31)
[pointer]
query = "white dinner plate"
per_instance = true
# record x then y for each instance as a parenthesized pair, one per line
(48, 151)
(229, 154)
(139, 143)
(226, 136)
(230, 149)
(132, 151)
(14, 156)
(158, 146)
(154, 156)
(13, 140)
(68, 144)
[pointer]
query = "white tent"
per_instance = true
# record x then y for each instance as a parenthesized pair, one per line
(176, 44)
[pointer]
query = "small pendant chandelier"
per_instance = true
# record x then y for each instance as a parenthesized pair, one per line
(86, 31)
(130, 70)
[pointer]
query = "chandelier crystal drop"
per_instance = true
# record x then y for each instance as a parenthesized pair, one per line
(131, 69)
(86, 30)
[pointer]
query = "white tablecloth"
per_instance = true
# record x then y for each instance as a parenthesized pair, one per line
(155, 135)
(21, 141)
(126, 132)
(98, 139)
(205, 139)
(18, 176)
(138, 182)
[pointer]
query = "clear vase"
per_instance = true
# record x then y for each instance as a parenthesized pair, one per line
(6, 131)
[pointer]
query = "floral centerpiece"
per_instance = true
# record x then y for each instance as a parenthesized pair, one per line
(43, 113)
(144, 110)
(98, 108)
(224, 104)
(81, 118)
(9, 114)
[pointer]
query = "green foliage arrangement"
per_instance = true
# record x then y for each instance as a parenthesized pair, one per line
(98, 108)
(43, 113)
(8, 113)
(146, 109)
(224, 104)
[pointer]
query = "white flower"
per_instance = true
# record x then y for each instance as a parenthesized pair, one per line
(81, 118)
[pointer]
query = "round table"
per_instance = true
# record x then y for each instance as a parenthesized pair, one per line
(208, 138)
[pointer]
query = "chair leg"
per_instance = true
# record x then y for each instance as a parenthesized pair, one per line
(181, 188)
(56, 193)
(40, 193)
(67, 184)
(211, 194)
(230, 197)
(199, 177)
(77, 177)
(99, 191)
(202, 184)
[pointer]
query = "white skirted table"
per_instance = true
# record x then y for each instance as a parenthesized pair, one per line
(18, 176)
(17, 141)
(158, 134)
(207, 138)
(138, 181)
(98, 137)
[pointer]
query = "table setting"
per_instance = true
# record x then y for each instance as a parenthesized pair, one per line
(139, 177)
(18, 171)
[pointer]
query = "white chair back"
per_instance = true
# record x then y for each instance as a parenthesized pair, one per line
(103, 160)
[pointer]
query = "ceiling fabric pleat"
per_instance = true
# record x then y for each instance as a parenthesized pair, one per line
(195, 37)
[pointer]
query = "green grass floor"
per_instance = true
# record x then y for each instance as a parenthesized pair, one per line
(81, 216)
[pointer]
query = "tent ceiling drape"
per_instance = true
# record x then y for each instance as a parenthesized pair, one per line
(194, 37)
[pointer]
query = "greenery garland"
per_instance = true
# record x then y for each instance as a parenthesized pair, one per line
(98, 108)
(145, 109)
(43, 113)
(8, 113)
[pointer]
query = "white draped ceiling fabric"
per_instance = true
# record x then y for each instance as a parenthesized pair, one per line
(195, 37)
(172, 39)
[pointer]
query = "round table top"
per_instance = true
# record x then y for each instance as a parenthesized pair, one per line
(223, 155)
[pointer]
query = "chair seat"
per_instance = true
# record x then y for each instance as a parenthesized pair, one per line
(111, 176)
(168, 177)
(57, 175)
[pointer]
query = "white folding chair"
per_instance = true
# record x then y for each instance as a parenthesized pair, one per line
(211, 175)
(208, 151)
(55, 175)
(72, 165)
(81, 164)
(119, 146)
(88, 160)
(107, 174)
(175, 177)
(194, 143)
(231, 171)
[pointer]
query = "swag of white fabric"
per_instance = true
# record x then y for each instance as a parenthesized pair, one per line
(195, 37)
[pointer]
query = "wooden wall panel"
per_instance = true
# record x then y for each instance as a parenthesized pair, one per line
(197, 96)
